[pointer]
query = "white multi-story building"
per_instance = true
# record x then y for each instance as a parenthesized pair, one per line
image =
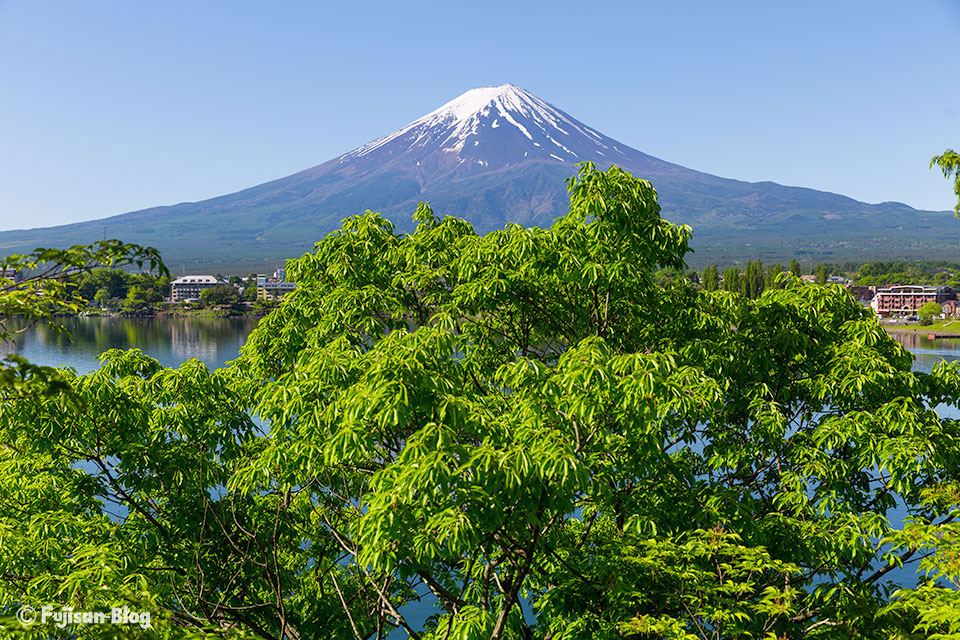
(189, 287)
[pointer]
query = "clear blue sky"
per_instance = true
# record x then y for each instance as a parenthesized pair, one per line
(110, 107)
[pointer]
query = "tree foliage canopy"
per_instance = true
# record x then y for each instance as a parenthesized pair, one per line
(524, 425)
(949, 163)
(118, 283)
(221, 294)
(930, 309)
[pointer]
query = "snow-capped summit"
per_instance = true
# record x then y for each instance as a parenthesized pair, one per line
(489, 128)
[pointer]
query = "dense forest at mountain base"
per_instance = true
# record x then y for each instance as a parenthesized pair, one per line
(252, 244)
(519, 422)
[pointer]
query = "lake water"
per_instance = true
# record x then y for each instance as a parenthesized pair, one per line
(172, 341)
(929, 351)
(214, 341)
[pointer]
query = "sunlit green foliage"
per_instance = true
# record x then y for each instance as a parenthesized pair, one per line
(526, 426)
(102, 296)
(949, 163)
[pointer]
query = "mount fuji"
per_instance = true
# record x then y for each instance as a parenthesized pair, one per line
(495, 155)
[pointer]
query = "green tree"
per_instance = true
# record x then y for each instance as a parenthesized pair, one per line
(162, 287)
(110, 279)
(772, 276)
(927, 311)
(666, 277)
(262, 305)
(102, 297)
(821, 274)
(118, 283)
(710, 278)
(219, 295)
(753, 282)
(795, 269)
(521, 416)
(136, 299)
(139, 298)
(759, 279)
(949, 163)
(731, 279)
(747, 281)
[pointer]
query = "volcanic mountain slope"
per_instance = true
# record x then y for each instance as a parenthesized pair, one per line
(496, 155)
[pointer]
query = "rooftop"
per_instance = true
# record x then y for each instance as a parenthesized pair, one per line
(195, 280)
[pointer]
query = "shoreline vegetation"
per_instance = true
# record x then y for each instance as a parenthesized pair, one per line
(255, 310)
(948, 328)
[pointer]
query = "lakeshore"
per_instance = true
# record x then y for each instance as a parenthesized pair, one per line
(243, 310)
(944, 329)
(170, 339)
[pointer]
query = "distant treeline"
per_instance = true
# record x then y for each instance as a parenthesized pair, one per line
(750, 281)
(932, 272)
(754, 278)
(135, 291)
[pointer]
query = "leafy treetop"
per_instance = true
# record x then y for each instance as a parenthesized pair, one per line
(524, 421)
(949, 163)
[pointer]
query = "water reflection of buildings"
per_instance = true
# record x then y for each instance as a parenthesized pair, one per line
(32, 334)
(921, 341)
(7, 348)
(188, 342)
(172, 341)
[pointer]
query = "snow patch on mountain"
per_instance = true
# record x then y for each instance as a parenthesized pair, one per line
(475, 114)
